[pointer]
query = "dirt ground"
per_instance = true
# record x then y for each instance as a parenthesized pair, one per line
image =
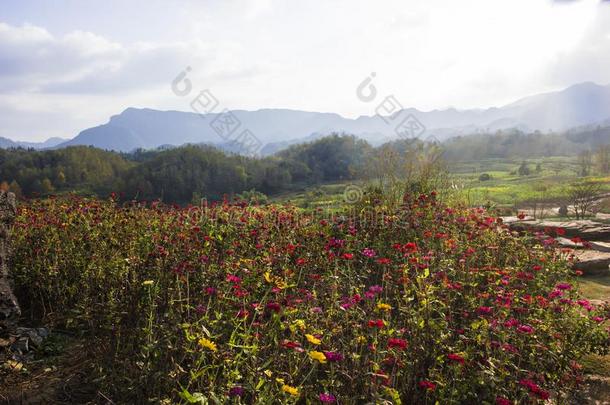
(58, 375)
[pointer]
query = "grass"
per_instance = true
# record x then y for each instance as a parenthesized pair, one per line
(596, 364)
(507, 188)
(597, 288)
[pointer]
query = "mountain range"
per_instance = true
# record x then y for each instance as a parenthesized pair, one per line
(580, 105)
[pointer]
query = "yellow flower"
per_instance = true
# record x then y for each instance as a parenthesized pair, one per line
(208, 344)
(148, 282)
(291, 390)
(312, 339)
(384, 307)
(268, 373)
(317, 356)
(268, 277)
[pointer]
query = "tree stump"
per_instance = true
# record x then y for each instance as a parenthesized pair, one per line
(9, 307)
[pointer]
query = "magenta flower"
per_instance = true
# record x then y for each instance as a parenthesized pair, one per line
(236, 391)
(327, 398)
(333, 356)
(525, 329)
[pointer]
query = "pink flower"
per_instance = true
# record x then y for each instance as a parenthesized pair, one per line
(502, 401)
(525, 329)
(369, 252)
(563, 286)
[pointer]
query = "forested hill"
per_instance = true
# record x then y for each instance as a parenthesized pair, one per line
(179, 174)
(189, 172)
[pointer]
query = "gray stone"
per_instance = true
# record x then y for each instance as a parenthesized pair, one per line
(568, 243)
(584, 229)
(21, 345)
(592, 262)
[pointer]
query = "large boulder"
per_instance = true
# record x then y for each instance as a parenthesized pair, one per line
(600, 246)
(592, 262)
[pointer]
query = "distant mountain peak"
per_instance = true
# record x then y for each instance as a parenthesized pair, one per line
(581, 104)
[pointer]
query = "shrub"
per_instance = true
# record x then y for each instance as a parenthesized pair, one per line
(484, 177)
(422, 303)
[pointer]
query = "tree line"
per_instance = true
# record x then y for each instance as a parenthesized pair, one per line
(187, 173)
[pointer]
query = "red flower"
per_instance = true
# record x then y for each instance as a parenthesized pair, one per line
(484, 310)
(290, 345)
(348, 256)
(427, 385)
(410, 247)
(376, 323)
(456, 358)
(534, 388)
(274, 306)
(502, 401)
(397, 343)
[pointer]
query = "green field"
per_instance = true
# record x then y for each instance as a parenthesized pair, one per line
(507, 188)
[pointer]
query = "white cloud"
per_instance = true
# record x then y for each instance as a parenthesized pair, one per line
(303, 55)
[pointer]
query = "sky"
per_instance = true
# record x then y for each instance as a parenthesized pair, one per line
(66, 65)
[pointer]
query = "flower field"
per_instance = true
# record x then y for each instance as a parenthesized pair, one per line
(230, 303)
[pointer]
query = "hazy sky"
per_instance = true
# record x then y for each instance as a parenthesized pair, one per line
(68, 65)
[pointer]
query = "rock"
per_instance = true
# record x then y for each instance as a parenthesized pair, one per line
(22, 345)
(600, 246)
(568, 243)
(584, 229)
(592, 262)
(43, 332)
(34, 336)
(513, 219)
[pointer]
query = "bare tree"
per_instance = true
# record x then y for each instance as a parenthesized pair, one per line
(582, 196)
(602, 158)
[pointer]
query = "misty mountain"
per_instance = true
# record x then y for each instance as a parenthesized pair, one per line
(579, 105)
(6, 143)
